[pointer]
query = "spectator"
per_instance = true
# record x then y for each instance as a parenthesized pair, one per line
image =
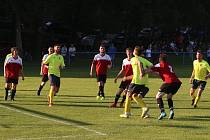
(64, 52)
(208, 55)
(112, 52)
(72, 51)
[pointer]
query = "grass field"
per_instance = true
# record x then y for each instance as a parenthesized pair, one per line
(77, 115)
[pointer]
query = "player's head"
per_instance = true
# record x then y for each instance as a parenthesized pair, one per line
(14, 51)
(199, 55)
(102, 49)
(137, 51)
(50, 50)
(162, 57)
(57, 48)
(129, 52)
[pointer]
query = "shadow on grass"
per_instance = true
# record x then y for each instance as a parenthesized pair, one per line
(194, 118)
(44, 114)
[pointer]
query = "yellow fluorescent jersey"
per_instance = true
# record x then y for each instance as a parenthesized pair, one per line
(55, 62)
(200, 69)
(136, 73)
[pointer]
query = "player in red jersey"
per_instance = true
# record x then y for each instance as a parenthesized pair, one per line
(126, 71)
(44, 70)
(102, 62)
(170, 86)
(13, 68)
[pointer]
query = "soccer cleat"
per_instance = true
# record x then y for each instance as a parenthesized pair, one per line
(171, 116)
(38, 93)
(113, 105)
(144, 111)
(162, 115)
(195, 106)
(6, 96)
(146, 116)
(97, 97)
(193, 100)
(125, 115)
(102, 98)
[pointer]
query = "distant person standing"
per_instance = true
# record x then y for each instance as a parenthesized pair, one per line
(102, 62)
(112, 53)
(13, 68)
(208, 55)
(44, 71)
(55, 63)
(72, 52)
(64, 52)
(148, 53)
(200, 74)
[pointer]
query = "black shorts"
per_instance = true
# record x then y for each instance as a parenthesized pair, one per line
(101, 78)
(45, 78)
(201, 84)
(138, 89)
(54, 80)
(124, 84)
(11, 80)
(170, 87)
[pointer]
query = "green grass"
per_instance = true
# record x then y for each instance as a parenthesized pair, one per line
(76, 104)
(77, 115)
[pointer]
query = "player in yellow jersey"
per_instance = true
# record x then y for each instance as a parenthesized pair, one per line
(201, 72)
(137, 89)
(55, 63)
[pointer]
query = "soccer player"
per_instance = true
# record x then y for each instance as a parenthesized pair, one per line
(127, 71)
(200, 74)
(55, 63)
(102, 62)
(13, 68)
(44, 70)
(137, 89)
(170, 86)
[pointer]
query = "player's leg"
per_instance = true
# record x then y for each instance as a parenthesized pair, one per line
(117, 96)
(193, 89)
(57, 86)
(44, 80)
(160, 103)
(170, 105)
(52, 79)
(123, 98)
(7, 89)
(13, 90)
(127, 108)
(200, 91)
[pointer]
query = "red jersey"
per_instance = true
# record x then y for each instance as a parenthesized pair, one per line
(127, 67)
(166, 72)
(44, 67)
(13, 66)
(101, 63)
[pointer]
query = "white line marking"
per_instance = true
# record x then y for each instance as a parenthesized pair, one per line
(54, 120)
(41, 138)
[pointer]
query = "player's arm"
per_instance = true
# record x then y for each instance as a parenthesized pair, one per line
(118, 75)
(91, 68)
(192, 77)
(141, 71)
(208, 73)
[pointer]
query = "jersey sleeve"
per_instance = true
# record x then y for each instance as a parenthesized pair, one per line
(47, 60)
(156, 67)
(208, 67)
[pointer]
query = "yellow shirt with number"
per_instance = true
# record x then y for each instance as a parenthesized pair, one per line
(200, 69)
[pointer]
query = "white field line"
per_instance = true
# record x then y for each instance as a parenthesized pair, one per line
(54, 120)
(58, 137)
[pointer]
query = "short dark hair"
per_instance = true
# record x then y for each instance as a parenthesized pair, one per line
(138, 50)
(163, 57)
(199, 51)
(129, 49)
